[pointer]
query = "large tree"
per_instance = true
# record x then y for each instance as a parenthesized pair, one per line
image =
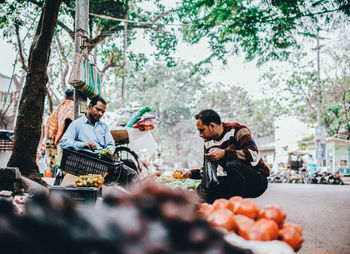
(31, 107)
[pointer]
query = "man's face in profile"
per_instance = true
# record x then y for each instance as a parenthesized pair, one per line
(205, 131)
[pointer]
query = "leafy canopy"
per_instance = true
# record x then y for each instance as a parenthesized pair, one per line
(265, 29)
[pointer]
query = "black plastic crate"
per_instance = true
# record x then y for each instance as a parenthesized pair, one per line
(82, 164)
(79, 195)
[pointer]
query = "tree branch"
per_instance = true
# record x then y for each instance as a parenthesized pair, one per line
(307, 99)
(65, 63)
(67, 29)
(49, 97)
(98, 39)
(20, 50)
(111, 63)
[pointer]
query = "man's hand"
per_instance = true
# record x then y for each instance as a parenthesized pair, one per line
(183, 174)
(216, 154)
(90, 145)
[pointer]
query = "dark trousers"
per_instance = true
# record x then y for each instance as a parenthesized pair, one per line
(241, 180)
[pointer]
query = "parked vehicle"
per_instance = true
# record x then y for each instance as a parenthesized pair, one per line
(335, 178)
(277, 177)
(325, 177)
(316, 177)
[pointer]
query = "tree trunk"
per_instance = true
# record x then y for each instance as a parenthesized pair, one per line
(31, 107)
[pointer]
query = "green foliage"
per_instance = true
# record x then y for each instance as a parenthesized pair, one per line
(261, 29)
(302, 143)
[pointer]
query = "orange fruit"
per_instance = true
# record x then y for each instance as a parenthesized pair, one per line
(296, 226)
(222, 218)
(233, 201)
(292, 236)
(177, 175)
(272, 213)
(205, 210)
(246, 207)
(257, 234)
(243, 224)
(269, 226)
(220, 203)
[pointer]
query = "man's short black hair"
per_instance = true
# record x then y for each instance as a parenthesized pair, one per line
(94, 101)
(208, 116)
(69, 92)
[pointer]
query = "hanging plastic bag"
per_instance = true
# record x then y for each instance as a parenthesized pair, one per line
(85, 76)
(209, 177)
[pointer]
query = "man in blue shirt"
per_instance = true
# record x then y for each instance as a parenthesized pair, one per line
(88, 133)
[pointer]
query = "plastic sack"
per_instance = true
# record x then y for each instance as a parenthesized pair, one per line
(209, 177)
(137, 115)
(85, 76)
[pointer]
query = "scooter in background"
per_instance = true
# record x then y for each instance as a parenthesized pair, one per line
(325, 178)
(335, 178)
(316, 177)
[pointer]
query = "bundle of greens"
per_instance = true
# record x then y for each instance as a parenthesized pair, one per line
(105, 153)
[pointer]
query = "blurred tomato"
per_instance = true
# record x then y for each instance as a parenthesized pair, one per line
(233, 201)
(294, 225)
(272, 213)
(220, 203)
(205, 210)
(256, 233)
(292, 236)
(246, 207)
(269, 226)
(243, 224)
(222, 218)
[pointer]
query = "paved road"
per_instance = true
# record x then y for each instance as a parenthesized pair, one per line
(322, 210)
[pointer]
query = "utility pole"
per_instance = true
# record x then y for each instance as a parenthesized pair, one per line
(81, 28)
(321, 131)
(318, 82)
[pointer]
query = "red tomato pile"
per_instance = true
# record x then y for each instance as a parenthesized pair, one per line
(242, 216)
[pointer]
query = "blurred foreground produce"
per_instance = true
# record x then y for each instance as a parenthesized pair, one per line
(241, 218)
(152, 219)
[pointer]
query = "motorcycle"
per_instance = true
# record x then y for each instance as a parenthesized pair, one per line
(277, 177)
(335, 178)
(316, 177)
(325, 178)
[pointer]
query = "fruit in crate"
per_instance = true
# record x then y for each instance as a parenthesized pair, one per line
(90, 180)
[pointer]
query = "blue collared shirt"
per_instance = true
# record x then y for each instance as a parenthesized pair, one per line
(82, 131)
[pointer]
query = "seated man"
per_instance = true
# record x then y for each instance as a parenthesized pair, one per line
(231, 146)
(88, 133)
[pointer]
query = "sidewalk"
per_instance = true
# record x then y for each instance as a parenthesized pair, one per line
(346, 180)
